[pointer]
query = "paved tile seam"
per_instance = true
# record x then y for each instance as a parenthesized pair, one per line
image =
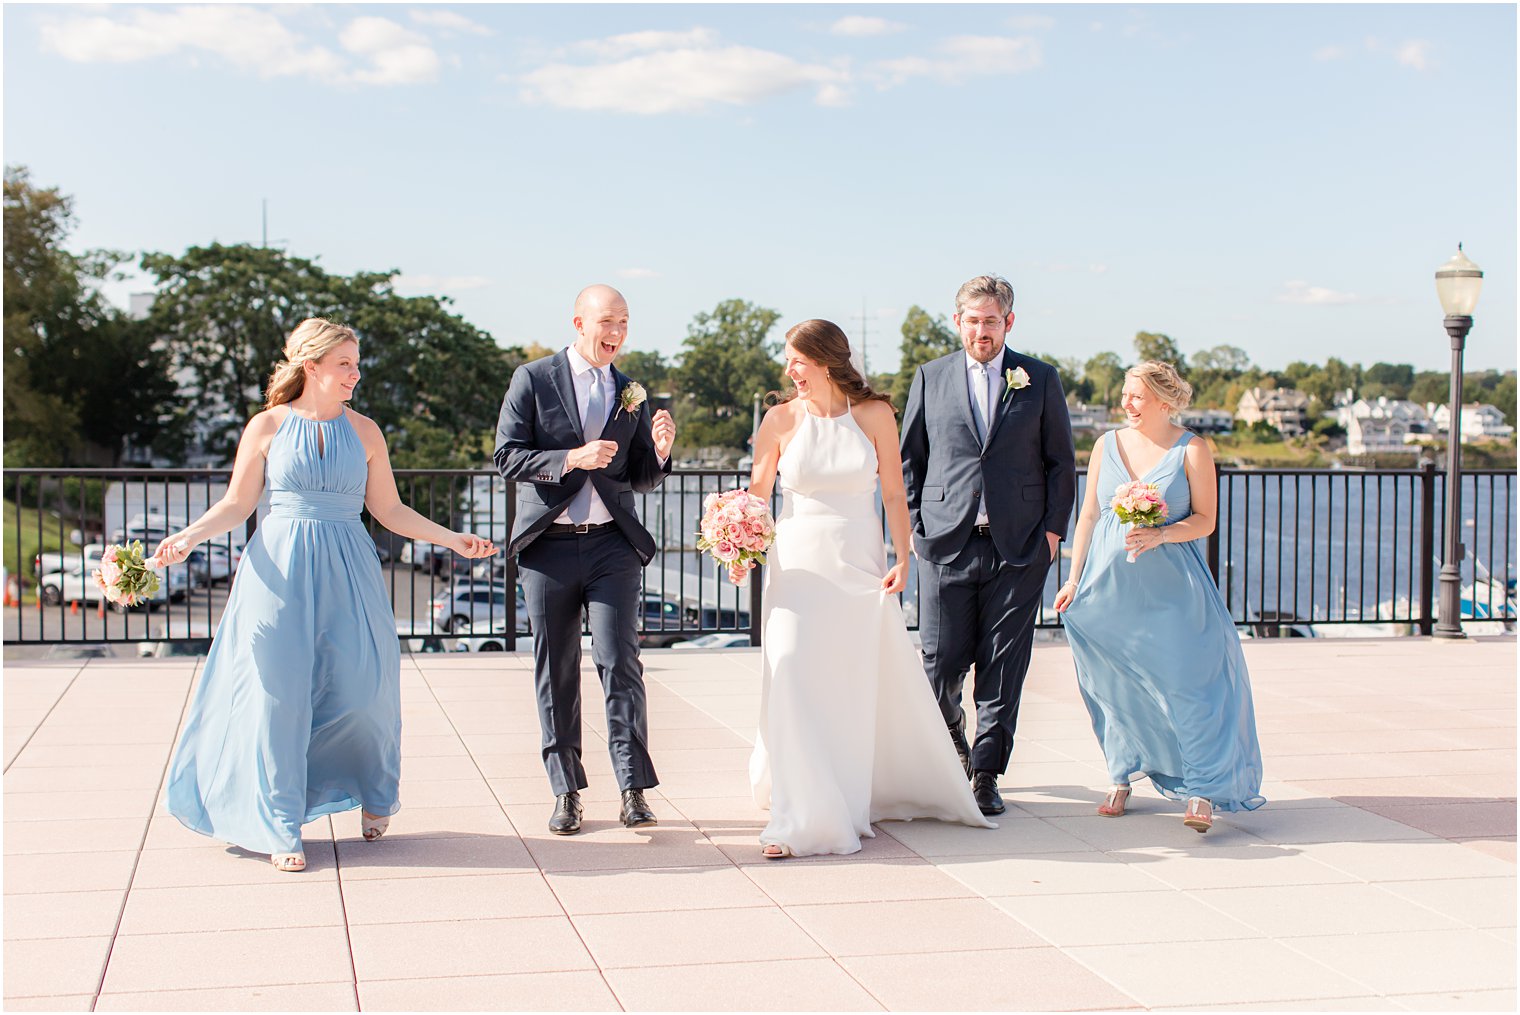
(44, 718)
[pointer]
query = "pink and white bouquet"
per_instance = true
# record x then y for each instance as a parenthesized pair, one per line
(1139, 504)
(124, 577)
(737, 529)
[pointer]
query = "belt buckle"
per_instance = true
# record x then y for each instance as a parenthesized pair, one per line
(582, 528)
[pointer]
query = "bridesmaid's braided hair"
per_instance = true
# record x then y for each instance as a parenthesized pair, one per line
(825, 344)
(312, 339)
(1165, 383)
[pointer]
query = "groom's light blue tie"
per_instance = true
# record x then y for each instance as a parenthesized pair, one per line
(983, 405)
(591, 428)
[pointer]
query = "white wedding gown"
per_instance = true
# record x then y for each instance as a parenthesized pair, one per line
(849, 729)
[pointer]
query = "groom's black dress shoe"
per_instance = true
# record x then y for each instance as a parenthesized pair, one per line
(962, 749)
(984, 790)
(567, 814)
(635, 812)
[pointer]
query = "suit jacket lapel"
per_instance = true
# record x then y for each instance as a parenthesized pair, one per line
(564, 386)
(960, 393)
(1003, 396)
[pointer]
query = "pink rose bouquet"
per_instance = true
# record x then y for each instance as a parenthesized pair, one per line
(737, 529)
(1139, 504)
(124, 577)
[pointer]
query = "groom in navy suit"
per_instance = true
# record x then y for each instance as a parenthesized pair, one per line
(578, 439)
(991, 477)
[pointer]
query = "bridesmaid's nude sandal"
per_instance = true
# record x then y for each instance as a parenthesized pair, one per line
(776, 851)
(1113, 804)
(373, 827)
(1199, 815)
(290, 863)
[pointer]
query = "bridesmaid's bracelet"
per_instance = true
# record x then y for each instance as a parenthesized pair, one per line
(1070, 584)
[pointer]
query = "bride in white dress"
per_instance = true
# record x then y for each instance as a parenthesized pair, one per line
(849, 729)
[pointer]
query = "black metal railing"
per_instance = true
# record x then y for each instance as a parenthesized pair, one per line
(1294, 549)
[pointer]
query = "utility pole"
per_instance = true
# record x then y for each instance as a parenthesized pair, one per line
(264, 233)
(865, 361)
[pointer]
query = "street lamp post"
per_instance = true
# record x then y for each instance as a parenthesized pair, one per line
(1458, 283)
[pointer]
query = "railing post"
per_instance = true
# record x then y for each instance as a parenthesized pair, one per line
(756, 600)
(1427, 546)
(1219, 522)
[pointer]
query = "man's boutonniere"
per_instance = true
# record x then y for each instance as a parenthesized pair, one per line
(1016, 378)
(632, 396)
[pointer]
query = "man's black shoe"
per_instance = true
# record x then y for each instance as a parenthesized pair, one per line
(635, 812)
(962, 749)
(567, 814)
(984, 790)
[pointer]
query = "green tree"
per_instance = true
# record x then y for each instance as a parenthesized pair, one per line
(1223, 358)
(924, 338)
(1393, 379)
(1156, 346)
(726, 362)
(1104, 373)
(432, 381)
(647, 367)
(82, 380)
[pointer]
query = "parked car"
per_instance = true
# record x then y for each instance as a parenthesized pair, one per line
(433, 558)
(661, 623)
(497, 640)
(711, 617)
(74, 582)
(465, 605)
(210, 563)
(720, 639)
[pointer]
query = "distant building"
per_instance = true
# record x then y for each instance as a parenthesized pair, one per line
(1479, 421)
(1207, 420)
(1287, 409)
(1089, 418)
(1368, 435)
(1388, 410)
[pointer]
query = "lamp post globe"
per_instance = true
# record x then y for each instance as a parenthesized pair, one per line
(1458, 283)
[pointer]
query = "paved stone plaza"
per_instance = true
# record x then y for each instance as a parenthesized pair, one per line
(1380, 876)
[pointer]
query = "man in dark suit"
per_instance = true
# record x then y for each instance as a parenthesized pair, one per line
(577, 438)
(991, 478)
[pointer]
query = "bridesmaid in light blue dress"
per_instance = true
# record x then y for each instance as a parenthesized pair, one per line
(298, 710)
(1158, 659)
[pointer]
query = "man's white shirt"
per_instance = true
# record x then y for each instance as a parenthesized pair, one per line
(581, 371)
(982, 401)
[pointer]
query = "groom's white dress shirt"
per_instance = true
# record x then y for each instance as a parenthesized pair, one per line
(981, 381)
(581, 371)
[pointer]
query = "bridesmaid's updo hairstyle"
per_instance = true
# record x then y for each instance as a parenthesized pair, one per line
(313, 339)
(825, 344)
(1165, 383)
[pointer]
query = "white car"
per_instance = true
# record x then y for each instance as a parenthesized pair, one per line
(719, 639)
(74, 583)
(468, 605)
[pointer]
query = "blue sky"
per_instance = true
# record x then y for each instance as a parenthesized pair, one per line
(1282, 178)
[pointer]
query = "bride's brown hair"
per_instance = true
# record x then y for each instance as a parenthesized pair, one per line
(825, 344)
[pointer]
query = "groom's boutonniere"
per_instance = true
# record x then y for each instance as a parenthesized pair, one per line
(632, 396)
(1016, 378)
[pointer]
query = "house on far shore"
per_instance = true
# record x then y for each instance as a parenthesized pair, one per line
(1287, 409)
(1202, 421)
(1089, 418)
(1480, 421)
(1370, 435)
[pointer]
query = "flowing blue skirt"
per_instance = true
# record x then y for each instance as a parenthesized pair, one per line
(298, 710)
(1160, 668)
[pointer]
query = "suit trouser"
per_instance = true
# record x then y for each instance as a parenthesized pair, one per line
(600, 572)
(980, 610)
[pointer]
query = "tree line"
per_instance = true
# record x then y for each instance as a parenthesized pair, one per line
(85, 381)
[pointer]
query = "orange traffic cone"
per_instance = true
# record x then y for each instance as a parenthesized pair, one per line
(73, 607)
(101, 610)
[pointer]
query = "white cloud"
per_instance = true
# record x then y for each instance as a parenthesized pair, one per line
(637, 273)
(963, 56)
(859, 26)
(1301, 292)
(450, 21)
(675, 72)
(252, 40)
(398, 55)
(641, 42)
(1030, 22)
(1414, 53)
(440, 283)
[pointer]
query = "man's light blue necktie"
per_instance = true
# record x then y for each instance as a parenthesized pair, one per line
(591, 428)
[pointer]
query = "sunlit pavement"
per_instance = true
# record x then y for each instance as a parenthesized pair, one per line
(1380, 876)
